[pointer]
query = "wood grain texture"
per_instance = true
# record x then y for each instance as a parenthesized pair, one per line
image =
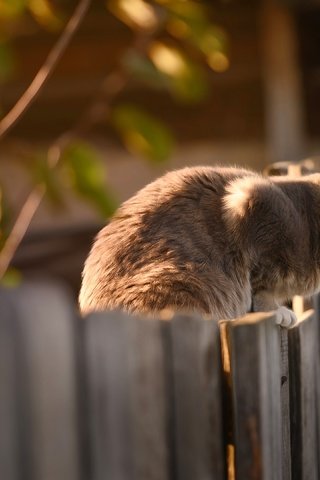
(48, 421)
(285, 405)
(121, 397)
(303, 358)
(316, 307)
(10, 394)
(196, 374)
(149, 399)
(127, 397)
(108, 393)
(254, 343)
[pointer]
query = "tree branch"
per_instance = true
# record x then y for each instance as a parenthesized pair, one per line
(45, 71)
(20, 227)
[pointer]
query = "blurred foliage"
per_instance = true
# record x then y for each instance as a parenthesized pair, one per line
(84, 169)
(43, 11)
(11, 279)
(185, 79)
(5, 216)
(6, 61)
(174, 46)
(142, 133)
(13, 14)
(41, 173)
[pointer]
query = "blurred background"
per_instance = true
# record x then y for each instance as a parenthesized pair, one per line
(139, 88)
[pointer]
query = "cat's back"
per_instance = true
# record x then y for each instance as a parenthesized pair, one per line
(165, 231)
(172, 202)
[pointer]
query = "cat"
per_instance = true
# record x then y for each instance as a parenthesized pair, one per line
(217, 241)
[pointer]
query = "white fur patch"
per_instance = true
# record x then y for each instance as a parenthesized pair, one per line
(236, 202)
(237, 197)
(239, 193)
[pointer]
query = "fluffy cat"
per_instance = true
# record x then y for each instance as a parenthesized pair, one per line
(217, 241)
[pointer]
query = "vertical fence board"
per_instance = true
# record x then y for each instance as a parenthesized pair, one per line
(46, 322)
(10, 458)
(149, 399)
(127, 398)
(254, 343)
(285, 405)
(304, 355)
(316, 307)
(199, 451)
(108, 394)
(49, 435)
(227, 400)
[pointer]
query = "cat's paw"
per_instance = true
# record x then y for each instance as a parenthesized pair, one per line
(285, 318)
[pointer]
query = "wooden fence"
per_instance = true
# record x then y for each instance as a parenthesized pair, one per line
(113, 397)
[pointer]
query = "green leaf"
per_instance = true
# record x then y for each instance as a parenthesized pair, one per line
(142, 133)
(6, 62)
(6, 214)
(11, 8)
(2, 221)
(45, 14)
(42, 174)
(186, 19)
(11, 279)
(85, 171)
(187, 80)
(192, 87)
(143, 69)
(169, 69)
(213, 43)
(189, 21)
(212, 39)
(137, 14)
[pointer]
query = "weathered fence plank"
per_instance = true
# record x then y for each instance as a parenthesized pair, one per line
(127, 397)
(48, 433)
(254, 344)
(304, 357)
(196, 374)
(108, 396)
(11, 462)
(149, 399)
(285, 405)
(316, 307)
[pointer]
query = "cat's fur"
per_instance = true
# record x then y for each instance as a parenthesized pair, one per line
(218, 241)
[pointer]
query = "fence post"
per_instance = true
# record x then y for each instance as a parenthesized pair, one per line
(127, 397)
(255, 355)
(196, 376)
(42, 326)
(303, 358)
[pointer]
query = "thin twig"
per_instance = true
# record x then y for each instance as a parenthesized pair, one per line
(45, 71)
(20, 227)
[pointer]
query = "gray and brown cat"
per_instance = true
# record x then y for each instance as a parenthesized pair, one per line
(217, 241)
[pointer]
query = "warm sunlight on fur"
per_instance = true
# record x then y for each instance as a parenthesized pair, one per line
(216, 241)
